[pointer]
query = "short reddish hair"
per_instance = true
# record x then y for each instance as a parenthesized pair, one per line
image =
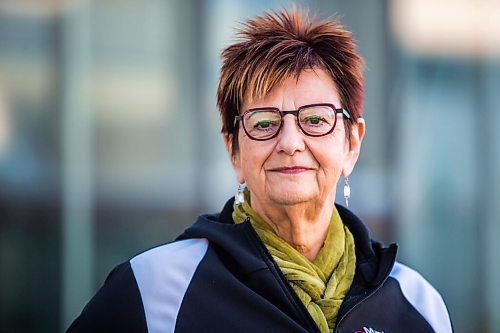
(277, 45)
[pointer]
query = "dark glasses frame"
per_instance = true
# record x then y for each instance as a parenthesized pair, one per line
(296, 114)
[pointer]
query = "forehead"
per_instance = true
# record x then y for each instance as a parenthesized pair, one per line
(309, 87)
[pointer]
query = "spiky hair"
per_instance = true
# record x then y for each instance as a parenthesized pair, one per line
(277, 45)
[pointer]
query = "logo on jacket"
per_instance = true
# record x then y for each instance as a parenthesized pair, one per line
(369, 330)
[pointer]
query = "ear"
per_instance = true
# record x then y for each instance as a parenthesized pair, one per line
(234, 158)
(357, 134)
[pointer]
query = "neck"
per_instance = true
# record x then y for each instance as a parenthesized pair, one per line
(304, 226)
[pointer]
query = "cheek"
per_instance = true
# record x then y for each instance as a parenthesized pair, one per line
(331, 157)
(332, 164)
(253, 156)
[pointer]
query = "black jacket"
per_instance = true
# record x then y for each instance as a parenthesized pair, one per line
(219, 277)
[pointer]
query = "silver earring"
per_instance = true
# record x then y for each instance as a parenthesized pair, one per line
(239, 198)
(347, 191)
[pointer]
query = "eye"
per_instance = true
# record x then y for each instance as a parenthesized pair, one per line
(314, 120)
(263, 124)
(317, 120)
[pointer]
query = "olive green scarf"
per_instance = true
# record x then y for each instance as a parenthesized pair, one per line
(321, 284)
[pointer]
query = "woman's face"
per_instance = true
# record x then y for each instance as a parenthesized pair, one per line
(293, 168)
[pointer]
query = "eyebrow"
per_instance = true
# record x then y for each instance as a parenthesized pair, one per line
(257, 111)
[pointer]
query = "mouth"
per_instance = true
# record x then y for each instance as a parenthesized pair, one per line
(291, 170)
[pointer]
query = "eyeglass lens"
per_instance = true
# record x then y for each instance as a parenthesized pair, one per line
(314, 121)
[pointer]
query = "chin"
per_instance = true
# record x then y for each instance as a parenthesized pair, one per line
(289, 198)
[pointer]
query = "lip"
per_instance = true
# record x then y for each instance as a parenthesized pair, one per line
(291, 170)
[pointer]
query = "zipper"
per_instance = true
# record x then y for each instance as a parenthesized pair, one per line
(339, 323)
(286, 287)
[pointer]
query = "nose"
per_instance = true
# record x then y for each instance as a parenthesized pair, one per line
(290, 138)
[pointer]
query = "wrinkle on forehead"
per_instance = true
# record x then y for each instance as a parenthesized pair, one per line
(285, 99)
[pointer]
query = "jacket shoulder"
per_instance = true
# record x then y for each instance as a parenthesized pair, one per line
(423, 297)
(116, 307)
(145, 293)
(163, 275)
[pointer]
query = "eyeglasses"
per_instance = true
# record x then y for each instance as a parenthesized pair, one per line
(314, 120)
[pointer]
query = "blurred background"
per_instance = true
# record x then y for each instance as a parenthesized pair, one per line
(95, 165)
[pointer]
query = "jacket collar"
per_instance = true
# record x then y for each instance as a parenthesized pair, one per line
(373, 261)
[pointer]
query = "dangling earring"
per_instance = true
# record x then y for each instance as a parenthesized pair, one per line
(239, 198)
(347, 191)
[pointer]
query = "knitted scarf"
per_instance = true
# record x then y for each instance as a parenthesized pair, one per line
(320, 284)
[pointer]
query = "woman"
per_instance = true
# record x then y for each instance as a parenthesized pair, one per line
(282, 257)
